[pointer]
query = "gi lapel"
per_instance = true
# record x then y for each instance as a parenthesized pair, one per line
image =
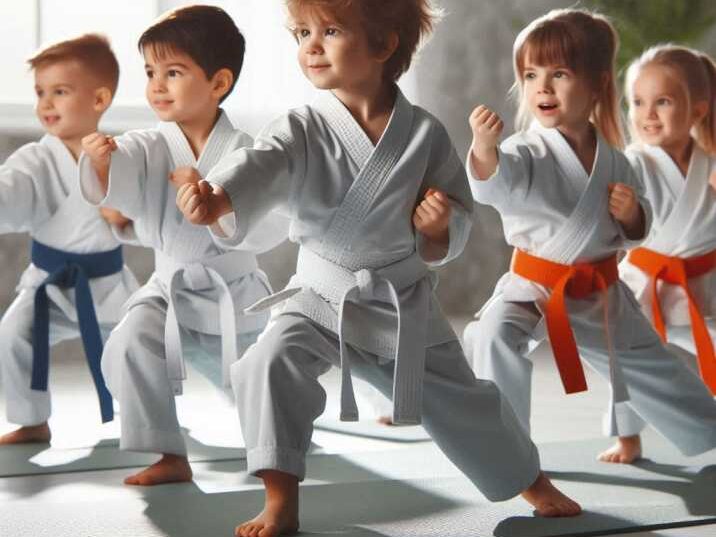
(690, 194)
(375, 165)
(565, 245)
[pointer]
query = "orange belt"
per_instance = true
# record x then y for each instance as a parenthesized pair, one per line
(577, 281)
(677, 271)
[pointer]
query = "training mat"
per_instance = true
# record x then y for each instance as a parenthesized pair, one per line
(32, 459)
(370, 428)
(405, 492)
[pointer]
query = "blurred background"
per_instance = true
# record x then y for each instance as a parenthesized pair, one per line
(467, 62)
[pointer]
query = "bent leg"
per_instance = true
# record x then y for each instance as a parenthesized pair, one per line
(497, 346)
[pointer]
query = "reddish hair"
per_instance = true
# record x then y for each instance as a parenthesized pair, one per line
(92, 51)
(695, 72)
(585, 42)
(411, 21)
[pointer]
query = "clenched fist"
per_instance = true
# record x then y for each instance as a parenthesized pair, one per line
(486, 128)
(99, 147)
(202, 205)
(432, 217)
(625, 208)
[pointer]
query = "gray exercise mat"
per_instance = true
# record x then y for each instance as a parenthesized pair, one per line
(406, 492)
(373, 429)
(34, 459)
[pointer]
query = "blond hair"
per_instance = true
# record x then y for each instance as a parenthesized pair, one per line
(695, 72)
(91, 51)
(585, 42)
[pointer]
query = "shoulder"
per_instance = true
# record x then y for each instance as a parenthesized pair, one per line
(32, 155)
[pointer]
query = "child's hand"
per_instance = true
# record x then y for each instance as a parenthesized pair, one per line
(432, 217)
(625, 208)
(184, 175)
(99, 147)
(712, 180)
(114, 217)
(202, 205)
(486, 128)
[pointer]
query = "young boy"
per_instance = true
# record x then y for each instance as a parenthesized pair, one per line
(199, 289)
(351, 169)
(77, 281)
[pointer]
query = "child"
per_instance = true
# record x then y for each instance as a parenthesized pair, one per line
(195, 297)
(671, 92)
(77, 281)
(569, 201)
(350, 169)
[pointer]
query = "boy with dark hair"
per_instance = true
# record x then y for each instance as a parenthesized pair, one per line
(77, 281)
(196, 296)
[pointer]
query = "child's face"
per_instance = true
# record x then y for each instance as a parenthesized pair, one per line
(334, 55)
(659, 110)
(177, 88)
(557, 96)
(66, 100)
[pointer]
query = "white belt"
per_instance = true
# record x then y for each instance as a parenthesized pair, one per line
(213, 272)
(339, 285)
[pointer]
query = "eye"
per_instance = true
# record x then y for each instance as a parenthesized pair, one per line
(530, 75)
(663, 101)
(60, 91)
(301, 33)
(39, 93)
(332, 32)
(636, 102)
(173, 73)
(560, 74)
(149, 73)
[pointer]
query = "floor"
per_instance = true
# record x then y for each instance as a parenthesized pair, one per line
(75, 418)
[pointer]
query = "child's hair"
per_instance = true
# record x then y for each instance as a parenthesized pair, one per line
(585, 42)
(206, 34)
(695, 72)
(91, 51)
(411, 20)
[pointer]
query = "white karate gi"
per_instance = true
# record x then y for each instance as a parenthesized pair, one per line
(551, 208)
(351, 206)
(684, 226)
(39, 195)
(195, 298)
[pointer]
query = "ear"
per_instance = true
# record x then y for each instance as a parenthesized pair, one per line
(221, 82)
(389, 47)
(102, 99)
(699, 110)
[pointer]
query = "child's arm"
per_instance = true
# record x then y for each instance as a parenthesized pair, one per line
(99, 147)
(249, 183)
(20, 204)
(113, 172)
(486, 128)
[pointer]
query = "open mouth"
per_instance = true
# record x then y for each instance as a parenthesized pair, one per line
(547, 107)
(51, 120)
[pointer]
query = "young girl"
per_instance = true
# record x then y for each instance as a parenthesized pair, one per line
(671, 92)
(350, 170)
(569, 201)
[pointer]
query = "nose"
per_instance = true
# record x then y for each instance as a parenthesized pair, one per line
(651, 111)
(157, 84)
(313, 45)
(544, 85)
(44, 102)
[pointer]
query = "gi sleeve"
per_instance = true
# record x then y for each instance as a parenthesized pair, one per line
(261, 179)
(446, 174)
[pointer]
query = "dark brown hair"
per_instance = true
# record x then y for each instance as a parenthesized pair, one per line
(204, 33)
(92, 51)
(411, 20)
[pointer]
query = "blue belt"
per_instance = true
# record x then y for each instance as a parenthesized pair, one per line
(72, 270)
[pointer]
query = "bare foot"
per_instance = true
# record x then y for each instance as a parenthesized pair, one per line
(280, 514)
(32, 434)
(385, 420)
(548, 501)
(169, 469)
(625, 451)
